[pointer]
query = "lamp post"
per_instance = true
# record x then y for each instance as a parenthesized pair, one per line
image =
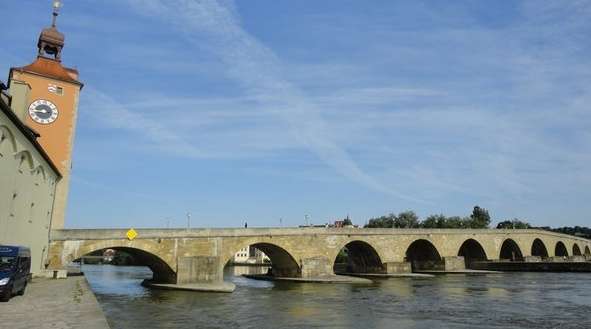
(307, 217)
(188, 220)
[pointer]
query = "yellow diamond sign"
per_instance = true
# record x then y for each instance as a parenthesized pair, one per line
(131, 234)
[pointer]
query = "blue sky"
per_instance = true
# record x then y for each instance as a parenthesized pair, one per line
(260, 110)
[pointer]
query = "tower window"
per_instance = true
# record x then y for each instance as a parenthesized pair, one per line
(55, 89)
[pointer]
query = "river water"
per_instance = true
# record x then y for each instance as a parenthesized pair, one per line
(504, 300)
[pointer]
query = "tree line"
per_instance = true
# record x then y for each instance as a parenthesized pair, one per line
(480, 218)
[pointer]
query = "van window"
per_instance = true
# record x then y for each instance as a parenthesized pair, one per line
(24, 264)
(6, 263)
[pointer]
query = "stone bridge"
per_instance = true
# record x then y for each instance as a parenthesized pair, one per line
(182, 256)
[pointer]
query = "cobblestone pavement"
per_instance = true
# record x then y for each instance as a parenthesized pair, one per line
(56, 304)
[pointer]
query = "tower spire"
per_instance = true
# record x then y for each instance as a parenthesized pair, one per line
(51, 41)
(57, 4)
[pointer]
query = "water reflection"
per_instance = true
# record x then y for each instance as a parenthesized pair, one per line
(512, 300)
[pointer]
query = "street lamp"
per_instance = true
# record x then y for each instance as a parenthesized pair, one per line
(307, 220)
(188, 220)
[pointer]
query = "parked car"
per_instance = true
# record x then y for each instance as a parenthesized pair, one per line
(15, 271)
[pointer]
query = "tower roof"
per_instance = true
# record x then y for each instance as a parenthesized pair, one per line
(51, 69)
(51, 36)
(51, 41)
(48, 62)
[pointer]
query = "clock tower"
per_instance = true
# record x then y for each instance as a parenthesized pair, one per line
(45, 96)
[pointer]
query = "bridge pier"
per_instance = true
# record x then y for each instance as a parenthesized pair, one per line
(397, 267)
(445, 264)
(195, 269)
(197, 273)
(454, 263)
(532, 259)
(315, 267)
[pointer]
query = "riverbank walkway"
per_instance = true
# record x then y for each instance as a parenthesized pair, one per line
(56, 304)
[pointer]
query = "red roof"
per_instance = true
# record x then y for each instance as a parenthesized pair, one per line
(52, 69)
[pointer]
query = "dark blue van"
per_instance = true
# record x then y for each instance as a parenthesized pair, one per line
(15, 271)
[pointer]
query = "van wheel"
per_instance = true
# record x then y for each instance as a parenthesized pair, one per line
(22, 291)
(7, 295)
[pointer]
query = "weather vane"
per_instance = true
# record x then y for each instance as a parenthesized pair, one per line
(57, 4)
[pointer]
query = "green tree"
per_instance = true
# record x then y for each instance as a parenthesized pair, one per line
(479, 218)
(406, 219)
(382, 221)
(505, 224)
(457, 222)
(435, 221)
(513, 224)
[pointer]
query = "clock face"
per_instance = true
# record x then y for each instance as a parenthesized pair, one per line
(43, 112)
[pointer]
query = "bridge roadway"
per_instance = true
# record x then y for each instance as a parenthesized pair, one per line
(198, 256)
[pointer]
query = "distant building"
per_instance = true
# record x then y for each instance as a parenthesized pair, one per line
(336, 224)
(250, 255)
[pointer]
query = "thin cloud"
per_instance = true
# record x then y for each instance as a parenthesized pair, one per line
(259, 71)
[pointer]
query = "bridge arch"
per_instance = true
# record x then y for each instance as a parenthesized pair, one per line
(283, 264)
(539, 249)
(587, 251)
(510, 251)
(560, 250)
(162, 272)
(472, 251)
(423, 255)
(576, 250)
(358, 257)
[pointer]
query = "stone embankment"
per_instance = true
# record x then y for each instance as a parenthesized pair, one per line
(56, 304)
